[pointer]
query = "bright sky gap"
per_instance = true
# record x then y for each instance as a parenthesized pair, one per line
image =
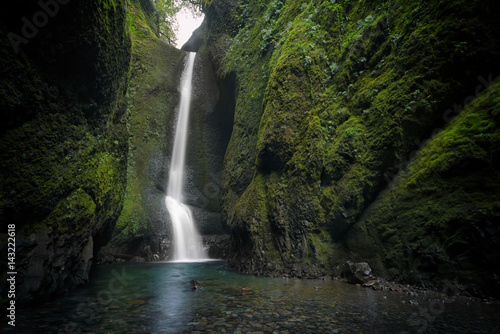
(187, 24)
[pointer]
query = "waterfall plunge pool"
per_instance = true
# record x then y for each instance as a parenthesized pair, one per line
(157, 298)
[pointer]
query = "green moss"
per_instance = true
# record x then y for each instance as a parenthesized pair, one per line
(320, 247)
(152, 97)
(438, 211)
(75, 209)
(331, 98)
(64, 144)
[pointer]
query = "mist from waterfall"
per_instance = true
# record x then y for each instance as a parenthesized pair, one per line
(186, 239)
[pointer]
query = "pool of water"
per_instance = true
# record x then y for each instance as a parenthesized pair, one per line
(158, 298)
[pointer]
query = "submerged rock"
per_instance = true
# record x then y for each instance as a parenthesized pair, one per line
(245, 291)
(136, 302)
(195, 285)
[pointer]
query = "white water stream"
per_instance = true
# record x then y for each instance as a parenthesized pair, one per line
(187, 240)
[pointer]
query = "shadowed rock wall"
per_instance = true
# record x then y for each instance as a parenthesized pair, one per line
(63, 138)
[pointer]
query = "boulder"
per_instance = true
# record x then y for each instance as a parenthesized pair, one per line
(356, 273)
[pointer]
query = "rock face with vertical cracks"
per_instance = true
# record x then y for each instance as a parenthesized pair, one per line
(63, 139)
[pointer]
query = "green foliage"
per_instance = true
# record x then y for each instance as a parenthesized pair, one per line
(330, 96)
(167, 9)
(159, 16)
(195, 5)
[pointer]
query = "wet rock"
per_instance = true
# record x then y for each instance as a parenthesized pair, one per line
(245, 291)
(356, 273)
(195, 285)
(138, 259)
(218, 246)
(374, 284)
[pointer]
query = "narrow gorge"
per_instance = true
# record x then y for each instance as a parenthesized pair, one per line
(314, 136)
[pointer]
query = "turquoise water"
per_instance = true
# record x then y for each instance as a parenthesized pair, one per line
(157, 298)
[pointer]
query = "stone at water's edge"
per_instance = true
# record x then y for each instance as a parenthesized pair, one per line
(195, 285)
(217, 245)
(356, 273)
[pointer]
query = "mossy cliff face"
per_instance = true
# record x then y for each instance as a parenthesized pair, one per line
(144, 227)
(63, 138)
(333, 99)
(152, 96)
(439, 218)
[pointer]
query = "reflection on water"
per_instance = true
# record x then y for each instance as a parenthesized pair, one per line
(157, 298)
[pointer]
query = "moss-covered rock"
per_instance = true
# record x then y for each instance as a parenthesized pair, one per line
(332, 100)
(63, 139)
(144, 227)
(438, 222)
(152, 97)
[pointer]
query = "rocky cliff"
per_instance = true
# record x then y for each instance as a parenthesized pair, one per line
(363, 130)
(152, 96)
(63, 137)
(322, 131)
(144, 228)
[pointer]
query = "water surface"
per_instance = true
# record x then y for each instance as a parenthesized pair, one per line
(157, 298)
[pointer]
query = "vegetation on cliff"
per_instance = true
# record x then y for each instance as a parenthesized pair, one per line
(440, 215)
(152, 97)
(63, 141)
(333, 98)
(144, 228)
(363, 130)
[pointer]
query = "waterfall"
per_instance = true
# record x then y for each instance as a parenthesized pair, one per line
(187, 240)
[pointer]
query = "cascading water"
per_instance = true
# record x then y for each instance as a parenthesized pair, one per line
(187, 240)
